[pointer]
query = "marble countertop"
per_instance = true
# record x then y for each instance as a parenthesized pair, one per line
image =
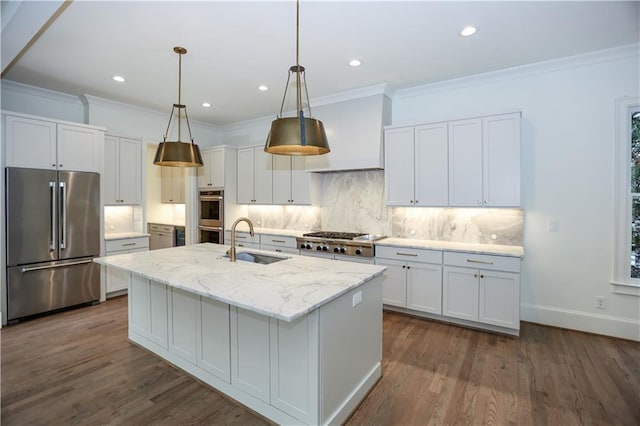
(497, 249)
(124, 235)
(285, 290)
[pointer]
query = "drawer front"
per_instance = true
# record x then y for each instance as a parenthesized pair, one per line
(482, 261)
(127, 244)
(278, 241)
(409, 254)
(160, 228)
(242, 237)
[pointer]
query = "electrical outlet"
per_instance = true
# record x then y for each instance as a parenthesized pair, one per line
(601, 302)
(357, 299)
(552, 226)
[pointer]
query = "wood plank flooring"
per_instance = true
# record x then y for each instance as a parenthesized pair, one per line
(78, 368)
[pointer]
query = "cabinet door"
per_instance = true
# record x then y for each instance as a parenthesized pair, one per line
(246, 175)
(116, 279)
(204, 172)
(79, 148)
(282, 179)
(263, 179)
(460, 293)
(465, 163)
(394, 282)
(30, 143)
(399, 166)
(500, 299)
(130, 176)
(172, 185)
(300, 182)
(431, 165)
(250, 353)
(424, 287)
(158, 314)
(217, 168)
(111, 174)
(214, 348)
(138, 304)
(501, 155)
(294, 367)
(182, 324)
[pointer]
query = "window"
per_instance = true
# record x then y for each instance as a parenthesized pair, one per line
(626, 276)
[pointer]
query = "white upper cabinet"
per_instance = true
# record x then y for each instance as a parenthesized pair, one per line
(416, 165)
(172, 185)
(463, 163)
(211, 175)
(484, 161)
(255, 176)
(501, 160)
(44, 144)
(291, 182)
(122, 171)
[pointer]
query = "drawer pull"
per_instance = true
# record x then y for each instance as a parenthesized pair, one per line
(279, 241)
(129, 244)
(484, 262)
(406, 254)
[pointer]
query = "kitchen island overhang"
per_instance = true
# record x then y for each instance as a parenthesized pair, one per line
(299, 341)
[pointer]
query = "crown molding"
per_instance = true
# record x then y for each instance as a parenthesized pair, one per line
(39, 91)
(586, 59)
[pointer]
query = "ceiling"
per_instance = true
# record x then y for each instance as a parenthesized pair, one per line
(235, 46)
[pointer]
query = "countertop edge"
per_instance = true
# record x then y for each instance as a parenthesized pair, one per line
(478, 248)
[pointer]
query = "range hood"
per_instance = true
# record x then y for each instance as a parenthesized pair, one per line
(355, 133)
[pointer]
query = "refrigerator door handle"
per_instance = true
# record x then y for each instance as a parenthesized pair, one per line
(52, 213)
(63, 215)
(60, 265)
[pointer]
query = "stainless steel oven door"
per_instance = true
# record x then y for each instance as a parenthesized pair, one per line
(211, 208)
(210, 234)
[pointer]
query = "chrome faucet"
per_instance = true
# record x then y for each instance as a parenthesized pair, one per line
(232, 250)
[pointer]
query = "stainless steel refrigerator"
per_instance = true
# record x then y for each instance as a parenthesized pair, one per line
(53, 233)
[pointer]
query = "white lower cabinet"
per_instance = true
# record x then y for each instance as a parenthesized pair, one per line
(148, 310)
(214, 347)
(307, 371)
(116, 279)
(294, 354)
(250, 352)
(279, 244)
(184, 312)
(414, 284)
(482, 288)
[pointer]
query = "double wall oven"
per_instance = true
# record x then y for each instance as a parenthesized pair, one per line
(211, 217)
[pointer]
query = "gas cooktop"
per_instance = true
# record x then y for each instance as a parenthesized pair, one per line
(345, 243)
(334, 235)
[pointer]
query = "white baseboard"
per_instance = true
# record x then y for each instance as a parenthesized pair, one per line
(582, 321)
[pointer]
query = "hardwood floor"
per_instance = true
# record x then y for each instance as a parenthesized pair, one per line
(78, 368)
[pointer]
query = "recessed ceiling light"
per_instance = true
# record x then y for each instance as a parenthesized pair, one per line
(118, 78)
(354, 63)
(467, 31)
(206, 104)
(263, 88)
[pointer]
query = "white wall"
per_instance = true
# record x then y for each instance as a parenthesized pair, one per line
(568, 150)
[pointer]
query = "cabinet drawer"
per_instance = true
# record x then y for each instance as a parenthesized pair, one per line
(409, 254)
(242, 237)
(278, 241)
(482, 261)
(160, 228)
(127, 244)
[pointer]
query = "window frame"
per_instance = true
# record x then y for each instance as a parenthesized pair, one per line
(622, 282)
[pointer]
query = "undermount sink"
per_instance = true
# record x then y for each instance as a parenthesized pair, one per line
(262, 259)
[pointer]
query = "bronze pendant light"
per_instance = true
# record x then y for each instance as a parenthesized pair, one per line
(178, 153)
(297, 135)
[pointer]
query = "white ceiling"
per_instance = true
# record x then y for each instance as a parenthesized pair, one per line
(234, 46)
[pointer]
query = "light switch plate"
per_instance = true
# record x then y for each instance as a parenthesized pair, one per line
(552, 226)
(357, 299)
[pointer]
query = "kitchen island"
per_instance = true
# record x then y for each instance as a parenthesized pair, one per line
(298, 340)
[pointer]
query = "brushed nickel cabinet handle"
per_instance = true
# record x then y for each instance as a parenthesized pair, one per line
(406, 254)
(484, 262)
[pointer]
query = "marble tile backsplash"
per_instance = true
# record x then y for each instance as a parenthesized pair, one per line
(354, 201)
(122, 219)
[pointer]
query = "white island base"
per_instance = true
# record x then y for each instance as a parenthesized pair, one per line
(313, 370)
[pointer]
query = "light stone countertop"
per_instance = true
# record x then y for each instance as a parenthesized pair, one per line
(491, 249)
(124, 235)
(284, 290)
(243, 227)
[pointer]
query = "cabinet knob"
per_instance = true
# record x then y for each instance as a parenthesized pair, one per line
(53, 165)
(404, 266)
(486, 202)
(417, 201)
(60, 165)
(411, 201)
(475, 275)
(408, 267)
(481, 276)
(479, 202)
